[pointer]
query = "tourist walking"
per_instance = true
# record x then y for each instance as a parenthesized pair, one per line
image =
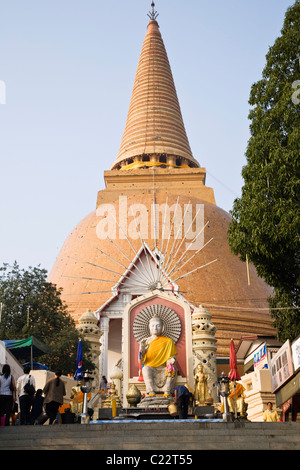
(7, 394)
(37, 406)
(54, 392)
(25, 397)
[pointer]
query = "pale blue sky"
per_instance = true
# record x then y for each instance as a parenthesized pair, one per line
(69, 68)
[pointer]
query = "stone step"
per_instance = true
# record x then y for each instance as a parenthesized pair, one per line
(173, 435)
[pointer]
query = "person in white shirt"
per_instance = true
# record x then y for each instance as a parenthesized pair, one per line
(7, 393)
(25, 400)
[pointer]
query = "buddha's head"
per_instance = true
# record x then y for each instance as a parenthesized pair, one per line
(156, 325)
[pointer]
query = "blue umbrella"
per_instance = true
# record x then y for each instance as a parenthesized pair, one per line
(78, 372)
(35, 365)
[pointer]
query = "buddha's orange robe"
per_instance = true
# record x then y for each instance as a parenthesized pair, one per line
(160, 350)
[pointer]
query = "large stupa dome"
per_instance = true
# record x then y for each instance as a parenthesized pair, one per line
(155, 165)
(235, 297)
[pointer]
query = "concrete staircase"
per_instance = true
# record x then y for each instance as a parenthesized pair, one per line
(169, 436)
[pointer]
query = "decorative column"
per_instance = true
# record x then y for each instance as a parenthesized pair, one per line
(104, 327)
(87, 325)
(204, 347)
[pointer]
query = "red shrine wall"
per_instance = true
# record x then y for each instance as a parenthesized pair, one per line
(180, 345)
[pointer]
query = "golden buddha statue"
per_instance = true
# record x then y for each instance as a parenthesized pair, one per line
(113, 395)
(76, 402)
(158, 356)
(201, 387)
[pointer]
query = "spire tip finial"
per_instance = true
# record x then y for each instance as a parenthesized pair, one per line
(152, 14)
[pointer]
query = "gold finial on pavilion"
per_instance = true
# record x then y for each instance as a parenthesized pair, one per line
(153, 14)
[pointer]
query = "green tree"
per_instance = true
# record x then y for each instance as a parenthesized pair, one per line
(31, 306)
(266, 218)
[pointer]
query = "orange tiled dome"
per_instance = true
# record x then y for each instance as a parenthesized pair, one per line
(237, 309)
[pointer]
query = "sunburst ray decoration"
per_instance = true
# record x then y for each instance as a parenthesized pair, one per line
(149, 269)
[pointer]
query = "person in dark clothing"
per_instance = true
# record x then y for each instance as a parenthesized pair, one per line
(181, 399)
(54, 392)
(37, 406)
(103, 383)
(25, 400)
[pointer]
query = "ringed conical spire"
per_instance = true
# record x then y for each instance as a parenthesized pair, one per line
(154, 132)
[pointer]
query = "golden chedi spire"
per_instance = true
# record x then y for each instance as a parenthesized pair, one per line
(154, 132)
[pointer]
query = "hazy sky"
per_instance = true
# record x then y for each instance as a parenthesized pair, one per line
(69, 69)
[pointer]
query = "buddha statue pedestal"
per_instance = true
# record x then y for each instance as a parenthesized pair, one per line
(204, 412)
(156, 402)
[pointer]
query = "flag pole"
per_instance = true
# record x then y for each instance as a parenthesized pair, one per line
(235, 399)
(78, 373)
(77, 410)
